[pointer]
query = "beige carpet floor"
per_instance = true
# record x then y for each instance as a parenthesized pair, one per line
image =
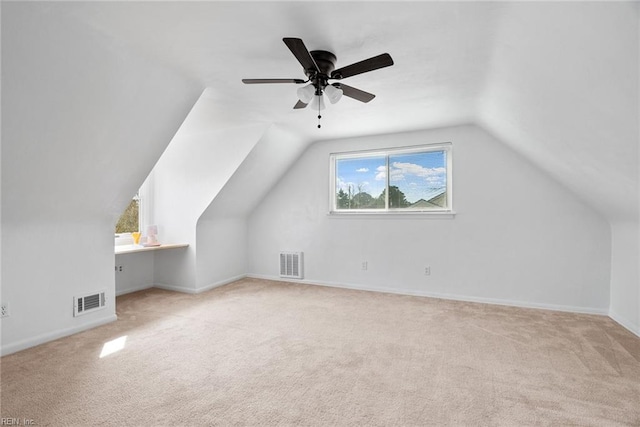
(268, 353)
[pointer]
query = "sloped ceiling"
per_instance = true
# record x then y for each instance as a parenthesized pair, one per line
(557, 82)
(84, 118)
(563, 90)
(441, 52)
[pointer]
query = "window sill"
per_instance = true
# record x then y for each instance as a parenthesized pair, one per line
(129, 249)
(393, 214)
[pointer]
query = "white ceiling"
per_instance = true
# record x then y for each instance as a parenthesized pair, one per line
(558, 82)
(441, 52)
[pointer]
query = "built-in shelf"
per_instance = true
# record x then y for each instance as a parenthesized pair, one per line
(129, 249)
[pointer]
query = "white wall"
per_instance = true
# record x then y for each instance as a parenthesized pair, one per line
(221, 251)
(83, 121)
(625, 277)
(221, 230)
(518, 236)
(136, 274)
(44, 266)
(198, 162)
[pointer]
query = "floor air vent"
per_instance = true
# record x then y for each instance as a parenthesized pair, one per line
(88, 303)
(291, 264)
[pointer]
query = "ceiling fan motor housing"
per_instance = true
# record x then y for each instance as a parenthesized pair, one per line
(326, 62)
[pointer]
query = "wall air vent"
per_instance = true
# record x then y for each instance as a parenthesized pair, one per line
(291, 265)
(88, 303)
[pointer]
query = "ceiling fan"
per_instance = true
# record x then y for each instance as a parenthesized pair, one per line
(319, 67)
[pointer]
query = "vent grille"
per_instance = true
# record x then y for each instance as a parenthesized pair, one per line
(88, 303)
(291, 264)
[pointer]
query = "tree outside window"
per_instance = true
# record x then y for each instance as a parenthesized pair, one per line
(129, 221)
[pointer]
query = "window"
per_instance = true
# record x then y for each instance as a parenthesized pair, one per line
(129, 221)
(138, 215)
(415, 179)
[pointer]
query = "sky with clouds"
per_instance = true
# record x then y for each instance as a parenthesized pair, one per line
(416, 174)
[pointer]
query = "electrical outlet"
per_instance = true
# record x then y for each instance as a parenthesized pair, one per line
(365, 265)
(427, 271)
(4, 309)
(118, 268)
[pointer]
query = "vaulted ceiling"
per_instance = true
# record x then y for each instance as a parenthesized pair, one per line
(558, 82)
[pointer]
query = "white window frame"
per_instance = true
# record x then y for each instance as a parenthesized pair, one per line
(445, 146)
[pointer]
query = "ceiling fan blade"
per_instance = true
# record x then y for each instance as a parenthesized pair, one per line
(299, 105)
(367, 65)
(354, 93)
(257, 81)
(299, 50)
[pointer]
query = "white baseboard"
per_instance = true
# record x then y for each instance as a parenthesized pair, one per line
(483, 300)
(50, 336)
(634, 329)
(134, 289)
(175, 288)
(203, 288)
(220, 283)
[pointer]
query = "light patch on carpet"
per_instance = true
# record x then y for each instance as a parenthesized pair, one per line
(113, 346)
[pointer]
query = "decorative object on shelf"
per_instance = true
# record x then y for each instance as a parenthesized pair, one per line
(136, 237)
(152, 236)
(319, 66)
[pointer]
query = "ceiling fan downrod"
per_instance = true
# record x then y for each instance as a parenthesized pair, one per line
(319, 91)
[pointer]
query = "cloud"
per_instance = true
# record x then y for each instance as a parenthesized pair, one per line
(343, 185)
(436, 177)
(362, 170)
(417, 170)
(347, 186)
(396, 175)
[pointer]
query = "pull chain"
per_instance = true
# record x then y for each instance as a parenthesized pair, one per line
(319, 116)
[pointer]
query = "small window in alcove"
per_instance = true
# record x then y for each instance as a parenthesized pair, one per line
(129, 221)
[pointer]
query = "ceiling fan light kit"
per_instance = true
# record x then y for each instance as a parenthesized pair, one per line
(333, 93)
(319, 67)
(306, 93)
(318, 103)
